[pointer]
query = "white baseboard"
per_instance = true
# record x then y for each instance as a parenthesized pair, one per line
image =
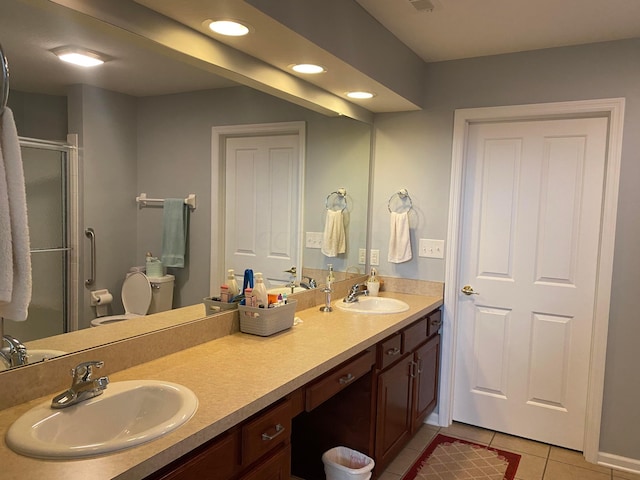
(433, 419)
(617, 462)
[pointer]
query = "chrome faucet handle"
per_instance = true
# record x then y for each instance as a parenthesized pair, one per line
(16, 353)
(83, 371)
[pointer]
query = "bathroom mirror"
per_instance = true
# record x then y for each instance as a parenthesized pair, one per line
(160, 143)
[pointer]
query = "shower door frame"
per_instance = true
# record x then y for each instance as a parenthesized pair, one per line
(72, 227)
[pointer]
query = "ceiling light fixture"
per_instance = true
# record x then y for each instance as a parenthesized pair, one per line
(360, 95)
(79, 56)
(309, 68)
(229, 28)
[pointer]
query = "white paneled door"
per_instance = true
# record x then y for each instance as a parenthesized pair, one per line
(262, 205)
(533, 198)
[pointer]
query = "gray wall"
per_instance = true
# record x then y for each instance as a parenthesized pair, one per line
(174, 159)
(413, 150)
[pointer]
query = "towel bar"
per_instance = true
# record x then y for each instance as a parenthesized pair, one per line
(402, 195)
(143, 201)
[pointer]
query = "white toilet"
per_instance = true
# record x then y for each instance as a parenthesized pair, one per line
(142, 295)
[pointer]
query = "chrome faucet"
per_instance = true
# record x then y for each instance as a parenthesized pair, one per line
(309, 285)
(355, 291)
(15, 353)
(83, 387)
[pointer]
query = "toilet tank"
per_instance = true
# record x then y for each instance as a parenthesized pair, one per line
(161, 293)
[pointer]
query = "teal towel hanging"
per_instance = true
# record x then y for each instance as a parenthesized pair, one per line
(174, 232)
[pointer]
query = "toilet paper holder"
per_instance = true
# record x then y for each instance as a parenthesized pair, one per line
(100, 297)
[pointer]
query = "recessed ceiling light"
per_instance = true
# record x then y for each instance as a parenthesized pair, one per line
(360, 95)
(229, 28)
(80, 56)
(307, 68)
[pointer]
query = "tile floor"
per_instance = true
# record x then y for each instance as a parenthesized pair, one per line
(538, 461)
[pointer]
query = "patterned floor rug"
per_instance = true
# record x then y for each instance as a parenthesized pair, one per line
(448, 458)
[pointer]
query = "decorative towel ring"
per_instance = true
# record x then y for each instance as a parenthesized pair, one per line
(341, 197)
(403, 196)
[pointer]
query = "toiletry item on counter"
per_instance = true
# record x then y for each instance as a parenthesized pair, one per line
(330, 277)
(248, 279)
(373, 284)
(260, 291)
(224, 294)
(250, 299)
(234, 289)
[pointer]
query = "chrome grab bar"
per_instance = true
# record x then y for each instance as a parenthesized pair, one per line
(91, 235)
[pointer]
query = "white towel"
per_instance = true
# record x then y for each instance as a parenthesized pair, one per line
(333, 240)
(16, 308)
(399, 241)
(6, 246)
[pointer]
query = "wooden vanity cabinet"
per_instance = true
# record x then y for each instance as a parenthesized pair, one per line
(257, 449)
(407, 385)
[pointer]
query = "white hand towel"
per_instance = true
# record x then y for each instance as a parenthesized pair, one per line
(399, 241)
(333, 240)
(6, 246)
(17, 308)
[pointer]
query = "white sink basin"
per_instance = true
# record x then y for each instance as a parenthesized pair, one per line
(35, 356)
(287, 290)
(373, 305)
(125, 415)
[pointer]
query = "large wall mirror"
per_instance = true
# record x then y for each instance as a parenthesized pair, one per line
(145, 124)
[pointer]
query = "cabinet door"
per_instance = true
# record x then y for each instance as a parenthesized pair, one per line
(277, 467)
(425, 393)
(393, 422)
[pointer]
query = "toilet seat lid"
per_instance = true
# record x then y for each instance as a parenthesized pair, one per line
(136, 294)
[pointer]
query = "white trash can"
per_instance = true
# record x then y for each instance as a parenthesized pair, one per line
(342, 463)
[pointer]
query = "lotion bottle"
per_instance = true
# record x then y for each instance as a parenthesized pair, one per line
(234, 290)
(260, 291)
(330, 276)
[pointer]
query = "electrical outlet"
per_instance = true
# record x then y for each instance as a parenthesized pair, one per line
(362, 256)
(374, 258)
(431, 248)
(313, 240)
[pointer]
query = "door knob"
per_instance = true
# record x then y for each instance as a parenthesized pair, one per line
(468, 290)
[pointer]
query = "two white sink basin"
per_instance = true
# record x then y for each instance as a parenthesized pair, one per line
(373, 305)
(125, 415)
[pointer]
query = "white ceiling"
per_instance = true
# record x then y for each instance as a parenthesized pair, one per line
(455, 29)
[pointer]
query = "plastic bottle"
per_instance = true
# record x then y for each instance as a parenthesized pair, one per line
(330, 276)
(373, 284)
(260, 291)
(234, 290)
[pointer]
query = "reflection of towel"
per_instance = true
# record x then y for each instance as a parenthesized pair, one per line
(174, 232)
(333, 240)
(399, 242)
(15, 258)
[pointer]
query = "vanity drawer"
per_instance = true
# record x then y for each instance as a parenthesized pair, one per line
(265, 432)
(340, 378)
(389, 351)
(415, 334)
(435, 321)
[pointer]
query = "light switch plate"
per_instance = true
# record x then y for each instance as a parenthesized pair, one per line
(313, 240)
(374, 258)
(431, 248)
(362, 256)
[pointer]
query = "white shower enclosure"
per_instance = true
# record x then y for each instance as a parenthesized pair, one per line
(49, 173)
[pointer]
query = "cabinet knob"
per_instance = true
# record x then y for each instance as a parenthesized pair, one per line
(393, 351)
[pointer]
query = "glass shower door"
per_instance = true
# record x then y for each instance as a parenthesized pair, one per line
(46, 170)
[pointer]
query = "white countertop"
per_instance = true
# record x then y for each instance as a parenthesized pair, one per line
(234, 377)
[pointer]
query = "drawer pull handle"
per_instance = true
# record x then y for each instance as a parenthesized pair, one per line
(348, 378)
(279, 429)
(393, 351)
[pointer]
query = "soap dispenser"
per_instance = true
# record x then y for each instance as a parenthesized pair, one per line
(260, 291)
(330, 276)
(373, 284)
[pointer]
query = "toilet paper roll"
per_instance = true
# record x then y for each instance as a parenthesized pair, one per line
(103, 299)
